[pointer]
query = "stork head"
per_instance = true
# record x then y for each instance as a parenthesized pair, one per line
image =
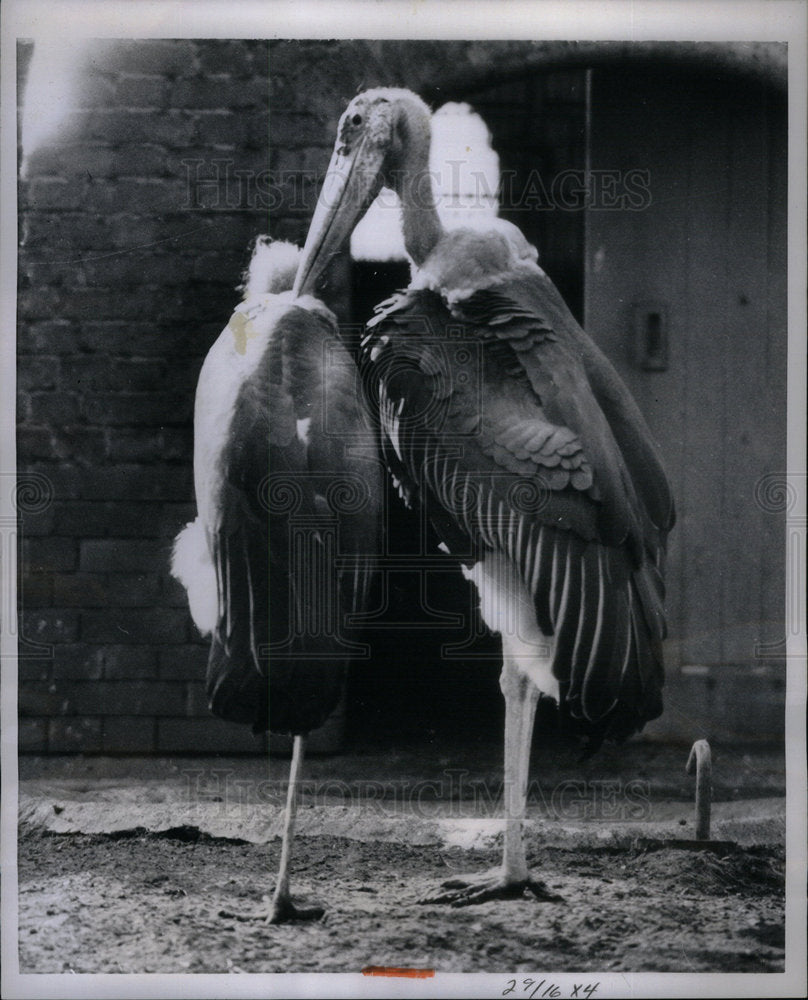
(383, 139)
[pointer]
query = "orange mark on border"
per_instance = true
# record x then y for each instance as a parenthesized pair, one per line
(391, 970)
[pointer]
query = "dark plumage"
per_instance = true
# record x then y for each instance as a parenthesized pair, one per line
(490, 418)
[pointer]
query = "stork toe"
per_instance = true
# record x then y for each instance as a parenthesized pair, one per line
(284, 911)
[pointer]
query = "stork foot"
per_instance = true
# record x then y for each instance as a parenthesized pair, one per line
(284, 911)
(490, 885)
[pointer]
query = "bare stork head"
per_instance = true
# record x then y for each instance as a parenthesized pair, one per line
(382, 141)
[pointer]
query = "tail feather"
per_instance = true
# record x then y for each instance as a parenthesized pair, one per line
(192, 565)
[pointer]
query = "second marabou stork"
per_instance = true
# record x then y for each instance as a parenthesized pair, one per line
(288, 490)
(505, 421)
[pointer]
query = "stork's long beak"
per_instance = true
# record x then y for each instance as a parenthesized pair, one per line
(352, 182)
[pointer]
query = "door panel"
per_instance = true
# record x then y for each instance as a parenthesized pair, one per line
(710, 246)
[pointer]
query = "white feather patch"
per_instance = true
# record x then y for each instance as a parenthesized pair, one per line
(506, 607)
(466, 260)
(191, 564)
(272, 268)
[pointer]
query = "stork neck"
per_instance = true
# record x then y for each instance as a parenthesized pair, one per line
(420, 222)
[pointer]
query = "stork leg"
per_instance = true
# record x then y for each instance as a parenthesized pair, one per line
(512, 879)
(283, 909)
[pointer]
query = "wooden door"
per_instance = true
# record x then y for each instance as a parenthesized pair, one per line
(705, 252)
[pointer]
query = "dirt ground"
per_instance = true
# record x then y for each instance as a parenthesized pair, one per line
(183, 902)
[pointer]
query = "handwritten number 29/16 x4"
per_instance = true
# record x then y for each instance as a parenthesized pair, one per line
(549, 991)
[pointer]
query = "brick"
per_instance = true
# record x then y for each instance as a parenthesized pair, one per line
(290, 229)
(32, 736)
(104, 303)
(204, 299)
(149, 56)
(219, 91)
(139, 446)
(221, 128)
(38, 373)
(134, 195)
(220, 232)
(143, 160)
(142, 91)
(294, 129)
(134, 482)
(37, 522)
(258, 137)
(310, 160)
(129, 663)
(35, 655)
(120, 339)
(97, 373)
(78, 662)
(67, 161)
(74, 736)
(113, 127)
(95, 90)
(209, 735)
(34, 668)
(174, 517)
(50, 626)
(80, 444)
(177, 445)
(55, 193)
(48, 554)
(175, 129)
(36, 591)
(172, 593)
(43, 698)
(127, 698)
(62, 236)
(137, 270)
(80, 590)
(117, 555)
(135, 520)
(134, 626)
(23, 409)
(63, 482)
(226, 270)
(240, 58)
(36, 444)
(188, 662)
(146, 409)
(132, 590)
(52, 407)
(196, 700)
(82, 517)
(129, 734)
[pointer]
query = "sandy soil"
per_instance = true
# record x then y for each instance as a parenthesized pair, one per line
(181, 903)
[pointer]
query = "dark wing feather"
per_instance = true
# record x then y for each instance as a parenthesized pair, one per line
(289, 559)
(489, 419)
(538, 294)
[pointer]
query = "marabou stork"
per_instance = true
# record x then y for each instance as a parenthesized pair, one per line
(288, 495)
(500, 416)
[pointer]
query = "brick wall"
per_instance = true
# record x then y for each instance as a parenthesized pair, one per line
(133, 237)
